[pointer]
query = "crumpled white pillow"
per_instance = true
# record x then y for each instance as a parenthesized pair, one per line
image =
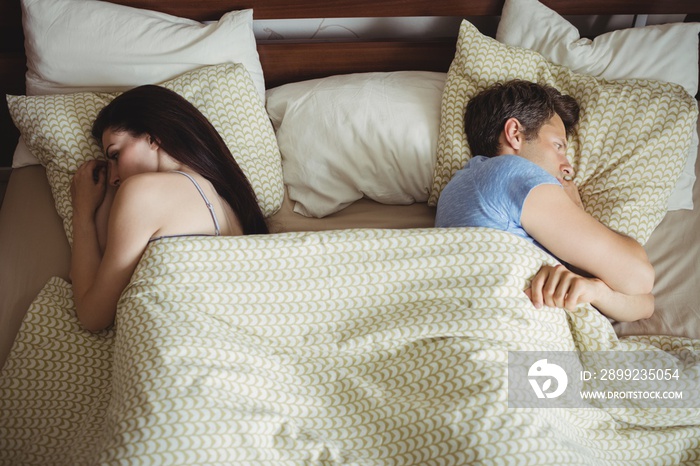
(93, 46)
(360, 135)
(667, 52)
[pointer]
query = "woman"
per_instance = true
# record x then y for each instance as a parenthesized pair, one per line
(168, 173)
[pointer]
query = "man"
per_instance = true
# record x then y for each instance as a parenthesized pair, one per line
(522, 182)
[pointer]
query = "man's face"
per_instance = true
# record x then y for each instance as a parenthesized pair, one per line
(548, 150)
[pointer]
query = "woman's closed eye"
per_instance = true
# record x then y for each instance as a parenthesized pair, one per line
(113, 155)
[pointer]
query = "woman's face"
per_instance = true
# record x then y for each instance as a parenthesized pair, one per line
(128, 155)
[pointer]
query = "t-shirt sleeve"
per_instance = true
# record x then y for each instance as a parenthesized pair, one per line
(511, 181)
(490, 193)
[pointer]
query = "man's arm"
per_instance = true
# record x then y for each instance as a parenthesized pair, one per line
(620, 263)
(558, 286)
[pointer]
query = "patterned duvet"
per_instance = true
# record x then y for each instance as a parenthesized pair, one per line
(341, 347)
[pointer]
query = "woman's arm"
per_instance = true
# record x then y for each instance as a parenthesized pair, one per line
(87, 194)
(99, 280)
(102, 215)
(619, 263)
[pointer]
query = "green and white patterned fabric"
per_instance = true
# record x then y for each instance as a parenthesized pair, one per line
(57, 129)
(342, 347)
(56, 386)
(632, 141)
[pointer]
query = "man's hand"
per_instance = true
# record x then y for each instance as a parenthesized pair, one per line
(557, 286)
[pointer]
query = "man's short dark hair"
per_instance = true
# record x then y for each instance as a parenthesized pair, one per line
(530, 103)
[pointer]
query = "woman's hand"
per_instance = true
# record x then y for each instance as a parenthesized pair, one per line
(557, 286)
(88, 187)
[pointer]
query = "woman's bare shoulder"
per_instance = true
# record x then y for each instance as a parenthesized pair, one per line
(145, 180)
(145, 186)
(146, 194)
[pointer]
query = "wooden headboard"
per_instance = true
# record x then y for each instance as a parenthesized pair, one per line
(285, 61)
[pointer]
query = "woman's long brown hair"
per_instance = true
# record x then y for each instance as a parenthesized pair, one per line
(186, 135)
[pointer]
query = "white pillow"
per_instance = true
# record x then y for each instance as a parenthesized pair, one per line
(88, 45)
(360, 135)
(23, 157)
(666, 52)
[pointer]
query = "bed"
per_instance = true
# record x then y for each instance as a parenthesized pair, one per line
(356, 333)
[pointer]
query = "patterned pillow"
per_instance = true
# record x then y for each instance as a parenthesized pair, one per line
(632, 139)
(57, 130)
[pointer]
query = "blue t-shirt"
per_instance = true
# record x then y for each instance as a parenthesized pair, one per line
(490, 192)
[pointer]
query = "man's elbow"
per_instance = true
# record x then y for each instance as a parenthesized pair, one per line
(639, 279)
(646, 278)
(638, 272)
(647, 309)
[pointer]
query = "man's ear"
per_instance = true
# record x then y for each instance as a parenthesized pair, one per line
(512, 138)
